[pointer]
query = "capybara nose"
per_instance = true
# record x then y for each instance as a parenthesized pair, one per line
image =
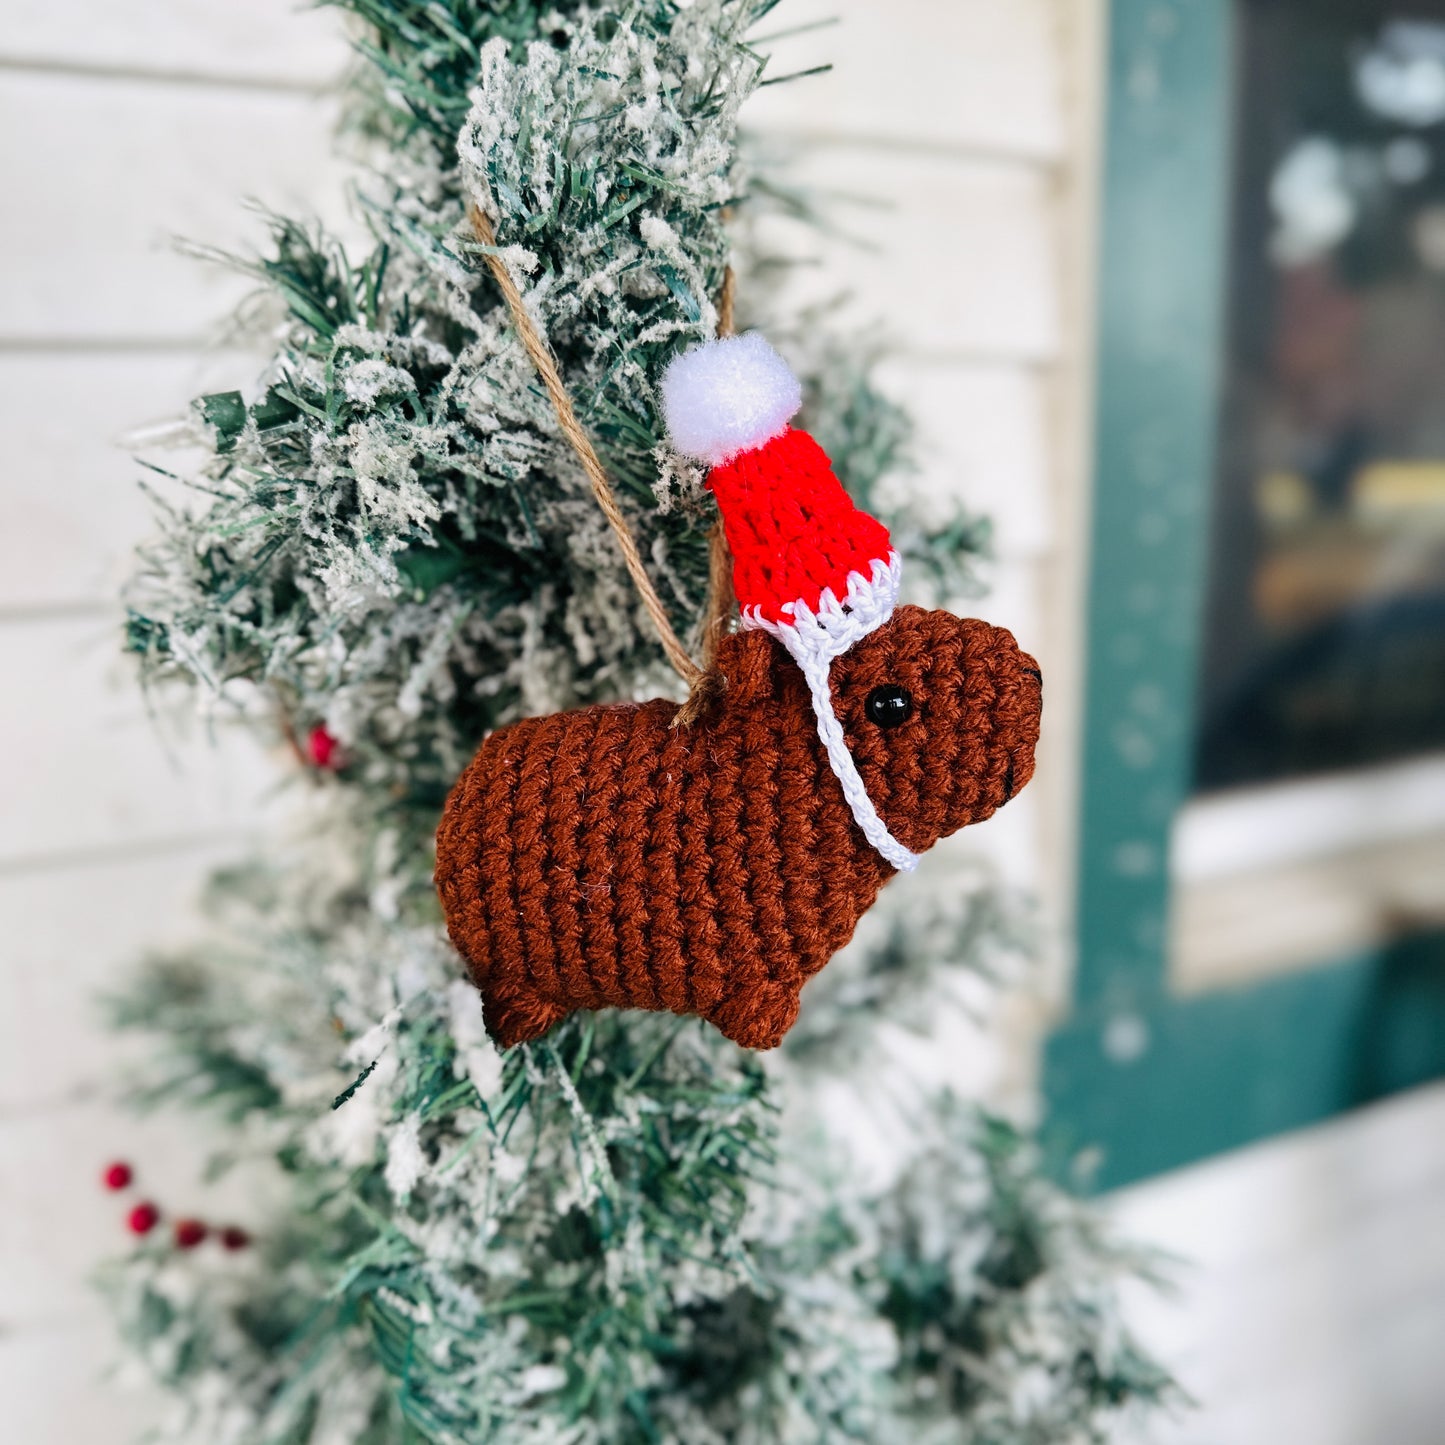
(994, 652)
(1012, 665)
(1004, 686)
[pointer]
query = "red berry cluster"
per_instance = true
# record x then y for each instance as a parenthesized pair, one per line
(323, 750)
(144, 1217)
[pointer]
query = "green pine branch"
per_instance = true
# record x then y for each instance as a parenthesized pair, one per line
(630, 1231)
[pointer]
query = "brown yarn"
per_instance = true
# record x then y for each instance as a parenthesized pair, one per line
(705, 684)
(603, 858)
(721, 602)
(727, 302)
(708, 690)
(546, 364)
(611, 857)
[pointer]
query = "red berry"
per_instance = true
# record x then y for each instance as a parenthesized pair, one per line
(233, 1237)
(322, 748)
(117, 1175)
(189, 1233)
(143, 1218)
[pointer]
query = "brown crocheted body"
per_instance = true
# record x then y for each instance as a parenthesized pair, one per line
(604, 858)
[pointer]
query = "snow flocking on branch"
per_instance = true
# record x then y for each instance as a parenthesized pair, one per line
(628, 1230)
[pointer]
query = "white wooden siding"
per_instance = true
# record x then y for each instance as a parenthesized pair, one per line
(965, 77)
(70, 933)
(122, 127)
(951, 258)
(59, 553)
(103, 174)
(1312, 1312)
(87, 771)
(269, 43)
(1312, 1304)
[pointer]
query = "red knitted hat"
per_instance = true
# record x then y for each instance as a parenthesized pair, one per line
(808, 566)
(795, 535)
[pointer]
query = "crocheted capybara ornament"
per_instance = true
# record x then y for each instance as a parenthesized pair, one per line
(607, 858)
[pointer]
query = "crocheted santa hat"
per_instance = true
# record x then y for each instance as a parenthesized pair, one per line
(808, 566)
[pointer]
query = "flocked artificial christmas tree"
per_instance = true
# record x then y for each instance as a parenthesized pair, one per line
(630, 1229)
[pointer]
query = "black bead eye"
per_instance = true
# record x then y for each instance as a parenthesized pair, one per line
(889, 706)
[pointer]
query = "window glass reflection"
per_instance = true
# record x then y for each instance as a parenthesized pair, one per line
(1325, 635)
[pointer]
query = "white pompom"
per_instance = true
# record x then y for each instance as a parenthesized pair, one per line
(728, 396)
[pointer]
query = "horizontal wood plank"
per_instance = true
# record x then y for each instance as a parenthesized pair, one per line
(956, 257)
(971, 74)
(1254, 925)
(72, 936)
(57, 1388)
(1311, 1299)
(89, 769)
(101, 177)
(64, 1223)
(963, 74)
(261, 41)
(981, 446)
(75, 509)
(955, 260)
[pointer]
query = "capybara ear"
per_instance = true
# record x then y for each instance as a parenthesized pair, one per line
(747, 660)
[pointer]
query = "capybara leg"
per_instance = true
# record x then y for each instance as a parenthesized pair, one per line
(757, 1017)
(518, 1017)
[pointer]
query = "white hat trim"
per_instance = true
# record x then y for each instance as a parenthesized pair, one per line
(814, 639)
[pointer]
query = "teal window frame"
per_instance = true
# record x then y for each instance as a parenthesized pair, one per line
(1136, 1080)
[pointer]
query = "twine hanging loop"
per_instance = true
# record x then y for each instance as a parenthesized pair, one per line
(541, 355)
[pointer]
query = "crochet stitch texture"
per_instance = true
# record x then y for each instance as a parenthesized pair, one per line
(793, 531)
(602, 858)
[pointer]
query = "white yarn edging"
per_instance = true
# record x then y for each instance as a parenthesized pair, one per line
(814, 639)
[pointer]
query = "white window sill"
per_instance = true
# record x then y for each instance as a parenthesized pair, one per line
(1277, 879)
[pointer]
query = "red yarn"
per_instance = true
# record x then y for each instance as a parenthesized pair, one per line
(143, 1218)
(189, 1233)
(792, 529)
(117, 1175)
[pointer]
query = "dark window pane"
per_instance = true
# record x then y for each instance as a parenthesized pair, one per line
(1325, 634)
